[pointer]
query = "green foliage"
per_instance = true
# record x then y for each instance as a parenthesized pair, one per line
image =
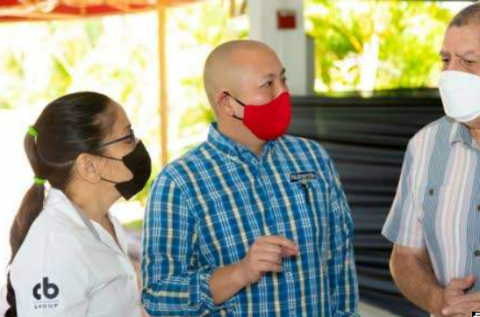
(94, 31)
(61, 77)
(396, 40)
(200, 113)
(358, 45)
(50, 59)
(12, 65)
(206, 25)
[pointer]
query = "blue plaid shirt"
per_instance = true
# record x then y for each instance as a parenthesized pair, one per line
(207, 208)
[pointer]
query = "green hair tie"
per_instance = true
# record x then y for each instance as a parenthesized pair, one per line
(32, 132)
(38, 181)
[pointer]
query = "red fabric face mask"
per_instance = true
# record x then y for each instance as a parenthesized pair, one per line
(269, 121)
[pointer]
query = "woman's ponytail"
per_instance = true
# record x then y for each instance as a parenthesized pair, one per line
(30, 209)
(73, 124)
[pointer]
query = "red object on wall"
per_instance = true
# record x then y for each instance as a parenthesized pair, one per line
(286, 19)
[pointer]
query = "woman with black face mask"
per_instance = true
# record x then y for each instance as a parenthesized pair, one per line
(69, 255)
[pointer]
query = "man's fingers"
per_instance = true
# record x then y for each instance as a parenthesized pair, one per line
(270, 257)
(289, 252)
(283, 242)
(461, 283)
(269, 267)
(270, 248)
(460, 309)
(474, 297)
(471, 279)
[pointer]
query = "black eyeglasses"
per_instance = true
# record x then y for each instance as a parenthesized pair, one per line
(130, 137)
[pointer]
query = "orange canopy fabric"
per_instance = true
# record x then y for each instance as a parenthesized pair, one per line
(33, 10)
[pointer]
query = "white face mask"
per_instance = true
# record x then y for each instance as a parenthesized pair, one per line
(460, 94)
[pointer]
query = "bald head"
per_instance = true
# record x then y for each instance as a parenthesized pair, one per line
(227, 64)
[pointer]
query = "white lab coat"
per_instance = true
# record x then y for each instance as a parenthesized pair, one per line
(69, 266)
(3, 300)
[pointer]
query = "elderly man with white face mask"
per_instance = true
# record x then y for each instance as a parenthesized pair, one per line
(435, 218)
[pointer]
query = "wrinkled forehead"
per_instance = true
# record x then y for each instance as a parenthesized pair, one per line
(462, 40)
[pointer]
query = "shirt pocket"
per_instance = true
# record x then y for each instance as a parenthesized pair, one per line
(316, 211)
(440, 210)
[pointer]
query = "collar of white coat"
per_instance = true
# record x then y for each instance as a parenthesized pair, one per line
(58, 201)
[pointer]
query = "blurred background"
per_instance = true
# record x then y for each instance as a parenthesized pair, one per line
(363, 74)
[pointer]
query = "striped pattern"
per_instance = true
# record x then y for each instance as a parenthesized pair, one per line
(438, 200)
(207, 208)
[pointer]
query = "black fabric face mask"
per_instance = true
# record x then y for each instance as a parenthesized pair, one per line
(139, 163)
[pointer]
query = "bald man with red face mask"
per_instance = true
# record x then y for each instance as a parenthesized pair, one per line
(253, 222)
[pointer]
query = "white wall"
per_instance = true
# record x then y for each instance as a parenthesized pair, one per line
(291, 45)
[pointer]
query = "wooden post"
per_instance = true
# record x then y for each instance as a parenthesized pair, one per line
(163, 100)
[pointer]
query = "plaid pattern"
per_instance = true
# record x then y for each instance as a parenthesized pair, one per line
(207, 208)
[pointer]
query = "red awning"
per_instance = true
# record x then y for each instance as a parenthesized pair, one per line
(41, 10)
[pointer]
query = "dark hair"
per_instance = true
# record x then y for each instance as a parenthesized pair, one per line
(468, 15)
(73, 124)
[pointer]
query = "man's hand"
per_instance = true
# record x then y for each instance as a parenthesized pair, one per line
(457, 303)
(413, 273)
(266, 255)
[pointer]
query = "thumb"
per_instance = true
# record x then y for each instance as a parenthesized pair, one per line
(471, 279)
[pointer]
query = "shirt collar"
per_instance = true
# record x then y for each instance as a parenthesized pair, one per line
(57, 201)
(234, 149)
(460, 133)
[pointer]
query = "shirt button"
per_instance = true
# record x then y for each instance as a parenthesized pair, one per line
(431, 191)
(476, 253)
(478, 207)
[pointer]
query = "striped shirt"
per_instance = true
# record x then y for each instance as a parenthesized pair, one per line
(207, 208)
(437, 206)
